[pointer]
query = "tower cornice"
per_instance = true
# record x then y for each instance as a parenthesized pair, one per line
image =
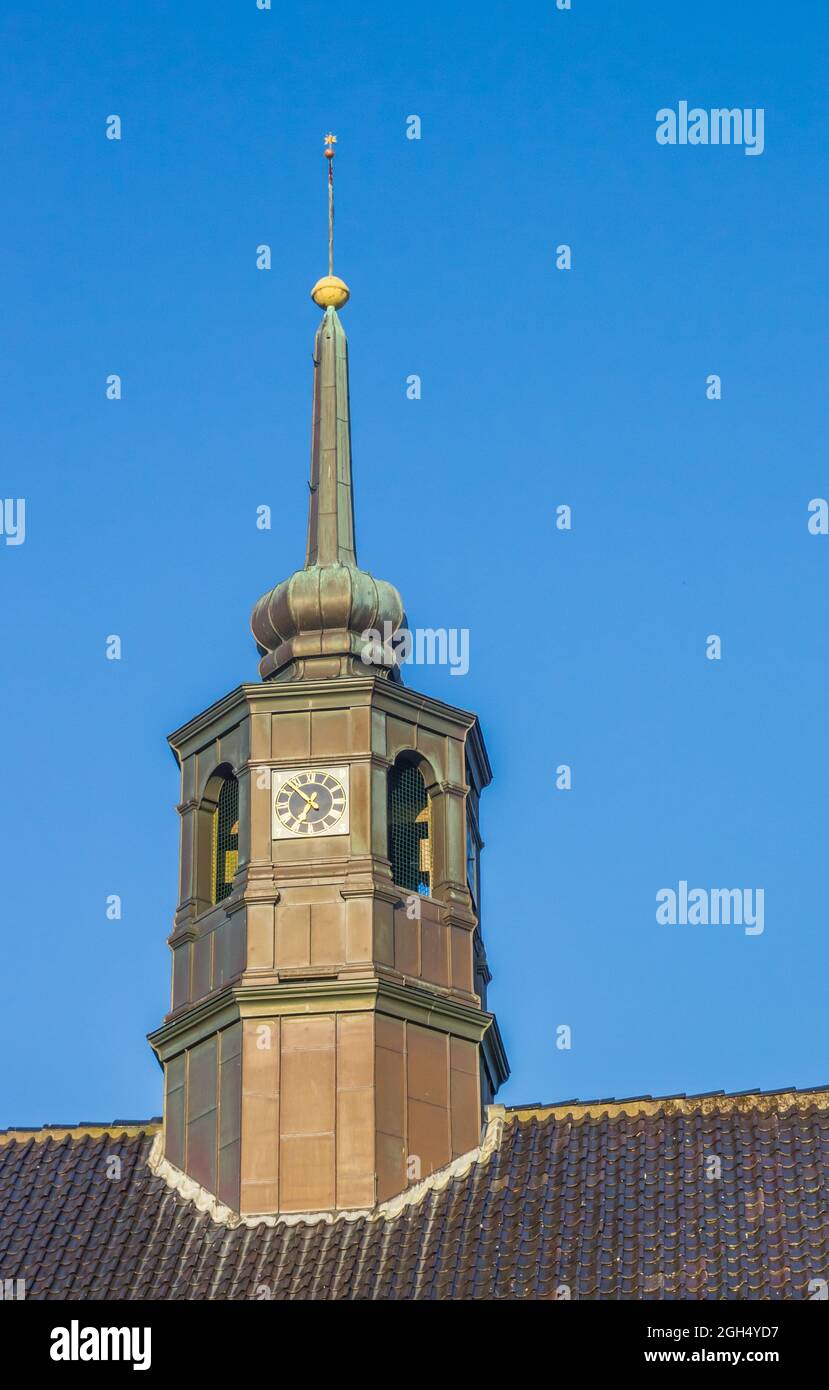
(290, 998)
(370, 689)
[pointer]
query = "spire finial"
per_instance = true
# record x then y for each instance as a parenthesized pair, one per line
(330, 292)
(330, 142)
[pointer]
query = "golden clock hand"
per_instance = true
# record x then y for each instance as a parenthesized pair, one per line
(312, 806)
(292, 786)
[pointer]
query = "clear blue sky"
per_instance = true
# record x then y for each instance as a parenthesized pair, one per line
(540, 387)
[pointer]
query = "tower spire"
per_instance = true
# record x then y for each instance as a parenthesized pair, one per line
(331, 505)
(314, 624)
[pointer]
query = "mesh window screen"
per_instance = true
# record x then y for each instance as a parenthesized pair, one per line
(225, 839)
(410, 829)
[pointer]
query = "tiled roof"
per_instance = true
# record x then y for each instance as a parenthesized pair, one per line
(703, 1197)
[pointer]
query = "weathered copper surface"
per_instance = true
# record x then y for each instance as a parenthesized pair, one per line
(313, 623)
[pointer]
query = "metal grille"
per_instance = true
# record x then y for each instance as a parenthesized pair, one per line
(410, 829)
(225, 839)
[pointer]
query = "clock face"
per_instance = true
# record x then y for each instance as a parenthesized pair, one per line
(312, 802)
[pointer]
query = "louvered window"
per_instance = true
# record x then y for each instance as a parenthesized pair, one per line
(225, 839)
(410, 829)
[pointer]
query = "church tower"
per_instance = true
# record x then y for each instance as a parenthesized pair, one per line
(328, 1041)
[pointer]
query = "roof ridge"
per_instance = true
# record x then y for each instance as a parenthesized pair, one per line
(86, 1129)
(703, 1102)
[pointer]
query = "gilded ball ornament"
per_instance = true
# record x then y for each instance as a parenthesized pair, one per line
(330, 292)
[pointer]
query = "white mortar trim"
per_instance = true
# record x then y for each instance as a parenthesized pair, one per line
(223, 1215)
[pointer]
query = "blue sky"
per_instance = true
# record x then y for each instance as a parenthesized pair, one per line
(540, 387)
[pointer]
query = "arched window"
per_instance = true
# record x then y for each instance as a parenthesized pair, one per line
(410, 829)
(225, 839)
